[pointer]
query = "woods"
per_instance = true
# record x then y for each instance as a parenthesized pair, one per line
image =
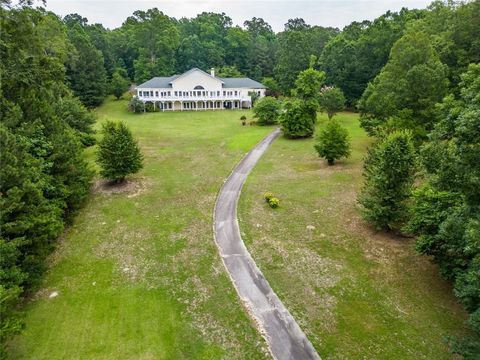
(413, 75)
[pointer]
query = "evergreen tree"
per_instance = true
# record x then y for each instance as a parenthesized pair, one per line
(118, 153)
(388, 172)
(86, 73)
(333, 142)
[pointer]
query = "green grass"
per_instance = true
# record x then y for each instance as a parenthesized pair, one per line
(357, 293)
(138, 273)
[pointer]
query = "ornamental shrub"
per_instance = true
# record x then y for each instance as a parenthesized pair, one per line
(274, 202)
(266, 110)
(118, 153)
(268, 195)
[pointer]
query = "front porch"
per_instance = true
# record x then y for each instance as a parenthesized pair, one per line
(196, 105)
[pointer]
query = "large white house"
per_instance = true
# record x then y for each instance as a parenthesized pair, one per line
(198, 90)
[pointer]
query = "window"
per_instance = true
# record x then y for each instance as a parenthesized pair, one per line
(156, 93)
(169, 93)
(218, 93)
(198, 87)
(224, 93)
(236, 92)
(151, 93)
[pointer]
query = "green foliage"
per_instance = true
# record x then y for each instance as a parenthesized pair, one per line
(389, 172)
(445, 211)
(353, 58)
(333, 142)
(413, 79)
(267, 196)
(274, 202)
(43, 176)
(136, 105)
(272, 86)
(331, 100)
(267, 110)
(228, 71)
(118, 153)
(308, 85)
(297, 120)
(86, 73)
(119, 83)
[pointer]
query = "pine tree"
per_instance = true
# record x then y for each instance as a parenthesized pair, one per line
(118, 153)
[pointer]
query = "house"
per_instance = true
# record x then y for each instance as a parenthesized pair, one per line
(198, 90)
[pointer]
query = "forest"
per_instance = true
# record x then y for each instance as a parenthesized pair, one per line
(416, 71)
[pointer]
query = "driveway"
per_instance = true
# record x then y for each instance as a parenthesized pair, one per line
(284, 337)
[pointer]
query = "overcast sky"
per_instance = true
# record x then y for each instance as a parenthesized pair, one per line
(336, 13)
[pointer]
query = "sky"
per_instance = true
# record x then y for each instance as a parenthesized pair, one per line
(335, 13)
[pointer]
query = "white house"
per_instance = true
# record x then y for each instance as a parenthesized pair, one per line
(198, 90)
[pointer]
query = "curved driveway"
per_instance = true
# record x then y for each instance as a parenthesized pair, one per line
(284, 337)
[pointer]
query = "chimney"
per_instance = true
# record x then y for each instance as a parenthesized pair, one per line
(212, 72)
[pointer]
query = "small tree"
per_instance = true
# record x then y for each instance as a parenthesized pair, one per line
(118, 153)
(333, 142)
(119, 84)
(267, 110)
(136, 105)
(297, 120)
(389, 174)
(331, 100)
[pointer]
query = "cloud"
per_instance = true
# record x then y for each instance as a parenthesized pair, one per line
(336, 13)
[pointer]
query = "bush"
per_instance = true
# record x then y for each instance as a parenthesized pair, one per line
(136, 105)
(266, 110)
(118, 153)
(298, 119)
(388, 172)
(333, 142)
(274, 202)
(243, 119)
(267, 196)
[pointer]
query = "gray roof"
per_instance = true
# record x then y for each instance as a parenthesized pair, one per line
(164, 82)
(242, 83)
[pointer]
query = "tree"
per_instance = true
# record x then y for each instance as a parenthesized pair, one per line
(414, 79)
(119, 83)
(228, 71)
(331, 100)
(86, 73)
(118, 153)
(333, 142)
(388, 172)
(445, 213)
(272, 86)
(267, 110)
(296, 119)
(136, 105)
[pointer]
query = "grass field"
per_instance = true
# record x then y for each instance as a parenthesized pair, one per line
(138, 275)
(357, 294)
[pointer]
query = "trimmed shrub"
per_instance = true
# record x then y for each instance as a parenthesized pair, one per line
(268, 195)
(266, 110)
(274, 202)
(333, 142)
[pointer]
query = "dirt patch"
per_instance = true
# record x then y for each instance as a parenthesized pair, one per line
(132, 187)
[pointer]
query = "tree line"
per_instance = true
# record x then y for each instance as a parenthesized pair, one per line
(411, 74)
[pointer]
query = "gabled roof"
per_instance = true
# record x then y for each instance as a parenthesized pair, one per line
(166, 82)
(242, 83)
(197, 69)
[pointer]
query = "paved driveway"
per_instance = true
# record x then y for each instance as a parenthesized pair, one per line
(284, 337)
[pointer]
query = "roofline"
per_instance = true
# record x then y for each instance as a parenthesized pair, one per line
(193, 69)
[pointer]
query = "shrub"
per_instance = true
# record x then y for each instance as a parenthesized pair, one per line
(244, 120)
(136, 105)
(118, 153)
(298, 119)
(333, 142)
(274, 202)
(388, 172)
(267, 196)
(266, 110)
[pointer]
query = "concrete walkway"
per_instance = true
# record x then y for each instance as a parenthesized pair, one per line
(284, 337)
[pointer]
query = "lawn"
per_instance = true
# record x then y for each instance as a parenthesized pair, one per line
(138, 275)
(357, 293)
